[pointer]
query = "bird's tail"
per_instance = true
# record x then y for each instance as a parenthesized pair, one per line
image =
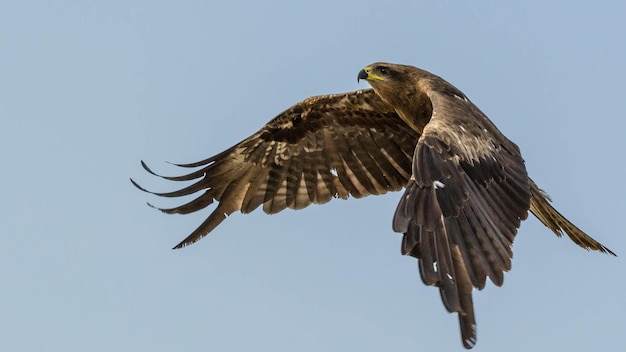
(541, 208)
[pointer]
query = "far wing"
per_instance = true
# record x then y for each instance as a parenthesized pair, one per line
(324, 147)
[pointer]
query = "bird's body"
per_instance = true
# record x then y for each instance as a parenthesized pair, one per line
(466, 186)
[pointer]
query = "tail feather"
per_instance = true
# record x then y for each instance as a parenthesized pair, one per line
(541, 208)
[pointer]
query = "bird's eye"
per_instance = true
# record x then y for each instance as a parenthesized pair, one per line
(384, 70)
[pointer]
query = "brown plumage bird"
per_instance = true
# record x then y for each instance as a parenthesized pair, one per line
(467, 189)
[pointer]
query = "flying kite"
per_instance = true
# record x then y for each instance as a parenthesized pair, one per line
(466, 185)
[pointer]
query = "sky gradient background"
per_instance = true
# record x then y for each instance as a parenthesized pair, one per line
(90, 88)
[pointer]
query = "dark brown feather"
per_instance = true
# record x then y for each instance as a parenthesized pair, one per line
(541, 208)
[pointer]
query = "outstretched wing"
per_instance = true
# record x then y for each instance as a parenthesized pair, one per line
(324, 147)
(467, 196)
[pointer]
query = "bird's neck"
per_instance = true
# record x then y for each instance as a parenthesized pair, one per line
(415, 108)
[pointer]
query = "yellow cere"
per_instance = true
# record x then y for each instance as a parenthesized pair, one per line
(371, 76)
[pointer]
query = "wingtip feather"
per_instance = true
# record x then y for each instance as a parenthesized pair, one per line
(138, 186)
(216, 218)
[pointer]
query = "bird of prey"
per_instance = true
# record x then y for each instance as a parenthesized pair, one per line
(466, 186)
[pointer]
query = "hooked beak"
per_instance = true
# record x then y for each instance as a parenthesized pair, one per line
(362, 75)
(367, 75)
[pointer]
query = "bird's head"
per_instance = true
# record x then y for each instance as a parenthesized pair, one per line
(404, 88)
(384, 73)
(386, 78)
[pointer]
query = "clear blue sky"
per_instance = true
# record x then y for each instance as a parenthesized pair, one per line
(89, 88)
